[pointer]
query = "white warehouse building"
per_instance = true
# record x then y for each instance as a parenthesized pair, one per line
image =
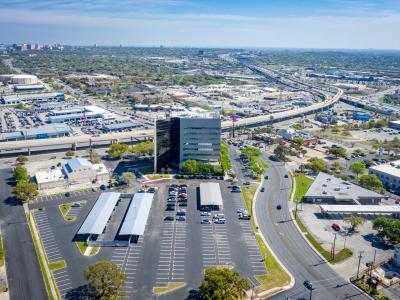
(24, 79)
(389, 174)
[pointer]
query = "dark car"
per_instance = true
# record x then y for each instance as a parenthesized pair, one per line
(103, 187)
(262, 189)
(151, 190)
(67, 194)
(335, 227)
(308, 285)
(266, 177)
(168, 218)
(279, 206)
(286, 176)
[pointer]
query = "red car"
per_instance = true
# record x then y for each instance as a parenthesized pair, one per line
(335, 227)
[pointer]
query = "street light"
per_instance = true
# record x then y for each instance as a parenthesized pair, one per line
(309, 286)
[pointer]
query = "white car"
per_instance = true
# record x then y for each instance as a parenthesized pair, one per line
(205, 214)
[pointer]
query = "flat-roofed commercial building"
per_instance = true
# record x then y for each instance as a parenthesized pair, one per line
(330, 189)
(136, 218)
(181, 139)
(389, 174)
(210, 195)
(120, 126)
(33, 98)
(90, 112)
(96, 221)
(41, 132)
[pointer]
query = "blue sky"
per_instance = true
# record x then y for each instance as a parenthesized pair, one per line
(204, 23)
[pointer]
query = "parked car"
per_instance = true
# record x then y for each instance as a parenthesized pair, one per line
(76, 204)
(246, 183)
(103, 187)
(205, 221)
(151, 190)
(168, 218)
(205, 214)
(67, 194)
(335, 227)
(180, 218)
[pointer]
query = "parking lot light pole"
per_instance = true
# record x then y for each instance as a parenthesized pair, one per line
(359, 262)
(311, 293)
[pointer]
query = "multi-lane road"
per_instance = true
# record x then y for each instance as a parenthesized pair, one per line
(290, 246)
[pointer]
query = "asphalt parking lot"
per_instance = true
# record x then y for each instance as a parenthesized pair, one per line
(169, 251)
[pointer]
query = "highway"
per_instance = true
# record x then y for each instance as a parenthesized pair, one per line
(289, 245)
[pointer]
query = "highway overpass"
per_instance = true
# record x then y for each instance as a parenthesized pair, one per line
(27, 147)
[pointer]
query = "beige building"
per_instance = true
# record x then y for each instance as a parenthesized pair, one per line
(75, 172)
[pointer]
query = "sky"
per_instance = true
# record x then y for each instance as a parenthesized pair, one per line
(347, 24)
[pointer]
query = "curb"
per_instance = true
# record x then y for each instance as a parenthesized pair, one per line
(276, 290)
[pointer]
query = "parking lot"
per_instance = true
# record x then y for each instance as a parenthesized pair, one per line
(363, 240)
(52, 250)
(169, 251)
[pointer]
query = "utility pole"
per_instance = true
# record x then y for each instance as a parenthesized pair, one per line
(333, 247)
(311, 293)
(359, 262)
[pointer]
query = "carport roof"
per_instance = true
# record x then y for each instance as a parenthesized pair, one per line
(137, 215)
(210, 194)
(98, 217)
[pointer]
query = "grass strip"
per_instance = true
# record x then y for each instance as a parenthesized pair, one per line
(171, 286)
(276, 276)
(225, 161)
(158, 176)
(82, 246)
(59, 264)
(42, 261)
(303, 183)
(2, 252)
(339, 257)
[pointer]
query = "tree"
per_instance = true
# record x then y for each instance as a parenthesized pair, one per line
(106, 280)
(143, 148)
(367, 163)
(222, 284)
(127, 177)
(69, 153)
(281, 151)
(337, 151)
(357, 168)
(317, 165)
(116, 151)
(354, 222)
(25, 191)
(337, 167)
(298, 141)
(387, 228)
(94, 157)
(22, 159)
(21, 174)
(190, 166)
(371, 182)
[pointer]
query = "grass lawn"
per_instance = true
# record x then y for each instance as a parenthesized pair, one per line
(276, 276)
(94, 251)
(171, 286)
(339, 257)
(303, 183)
(60, 264)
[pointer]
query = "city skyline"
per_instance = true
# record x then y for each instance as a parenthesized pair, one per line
(351, 24)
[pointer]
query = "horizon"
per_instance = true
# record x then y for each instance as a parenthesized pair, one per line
(349, 24)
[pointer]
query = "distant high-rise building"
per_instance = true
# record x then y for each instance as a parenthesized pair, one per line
(180, 139)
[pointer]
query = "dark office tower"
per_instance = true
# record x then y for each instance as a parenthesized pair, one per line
(180, 139)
